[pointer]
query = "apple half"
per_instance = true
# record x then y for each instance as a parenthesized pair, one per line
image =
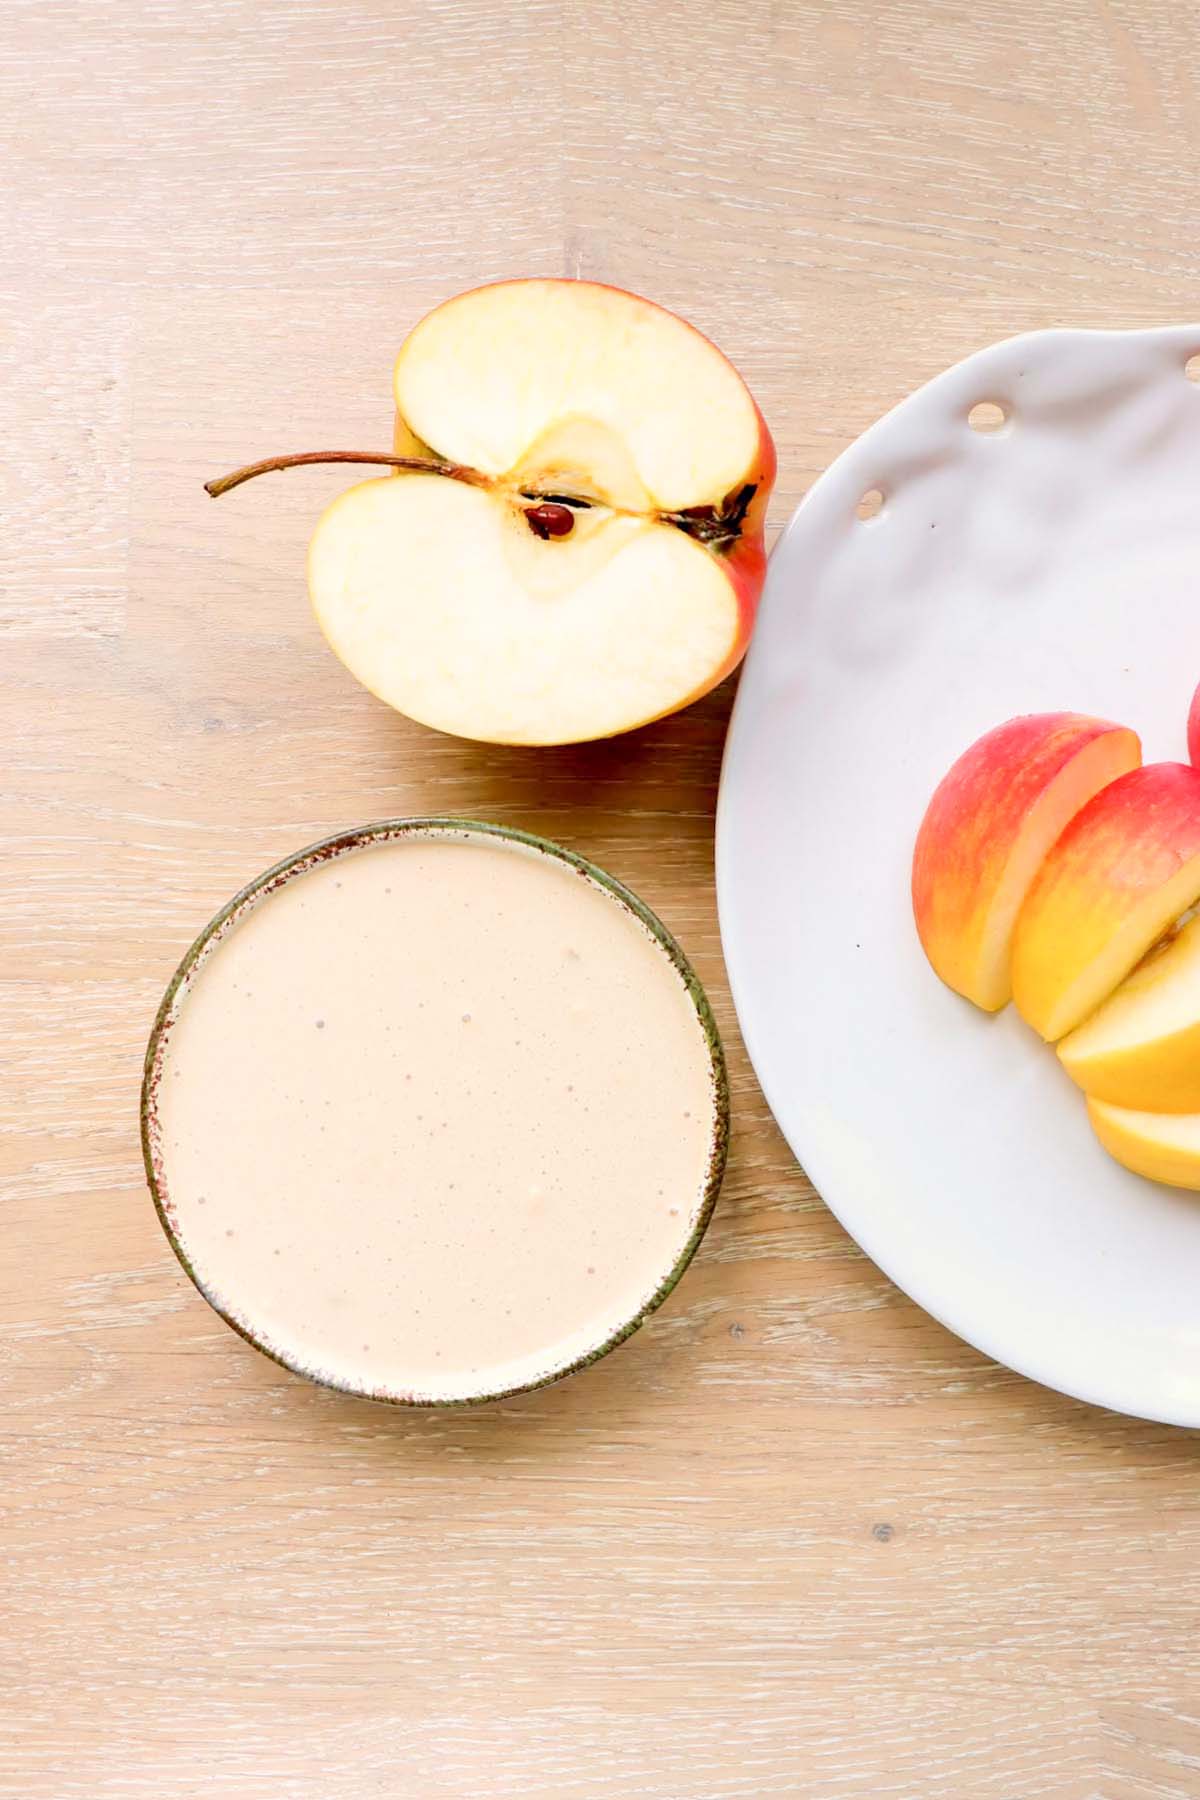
(571, 541)
(1123, 872)
(1141, 1048)
(1161, 1146)
(991, 822)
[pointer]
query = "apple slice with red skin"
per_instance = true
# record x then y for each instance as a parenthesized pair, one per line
(572, 541)
(990, 823)
(1124, 871)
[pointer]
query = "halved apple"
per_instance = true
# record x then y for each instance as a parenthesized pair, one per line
(1141, 1048)
(1124, 870)
(1161, 1146)
(572, 541)
(988, 827)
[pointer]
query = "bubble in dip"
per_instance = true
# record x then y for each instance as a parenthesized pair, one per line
(466, 974)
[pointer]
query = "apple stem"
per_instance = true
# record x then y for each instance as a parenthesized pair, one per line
(415, 464)
(549, 517)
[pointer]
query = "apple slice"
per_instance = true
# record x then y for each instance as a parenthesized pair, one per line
(1124, 870)
(1194, 730)
(1161, 1146)
(1141, 1048)
(988, 827)
(572, 543)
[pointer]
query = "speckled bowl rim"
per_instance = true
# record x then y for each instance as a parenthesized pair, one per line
(299, 863)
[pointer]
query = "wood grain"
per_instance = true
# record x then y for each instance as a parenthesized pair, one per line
(793, 1538)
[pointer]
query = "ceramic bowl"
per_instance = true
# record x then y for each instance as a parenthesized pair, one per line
(293, 868)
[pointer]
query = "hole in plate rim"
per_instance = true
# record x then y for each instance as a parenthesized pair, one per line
(988, 417)
(870, 504)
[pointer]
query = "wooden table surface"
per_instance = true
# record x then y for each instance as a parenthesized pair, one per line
(794, 1538)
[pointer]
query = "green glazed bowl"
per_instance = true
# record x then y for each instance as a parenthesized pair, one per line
(297, 865)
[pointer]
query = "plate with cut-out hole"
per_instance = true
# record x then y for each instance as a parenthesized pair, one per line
(1020, 535)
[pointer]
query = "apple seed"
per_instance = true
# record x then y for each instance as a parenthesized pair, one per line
(549, 519)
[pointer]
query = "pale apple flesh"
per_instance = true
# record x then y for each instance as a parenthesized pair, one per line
(987, 829)
(1123, 872)
(446, 605)
(439, 597)
(1163, 1147)
(575, 383)
(1141, 1048)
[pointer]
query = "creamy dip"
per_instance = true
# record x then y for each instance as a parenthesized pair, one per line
(434, 1117)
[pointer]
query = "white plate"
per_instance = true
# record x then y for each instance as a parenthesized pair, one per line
(1055, 563)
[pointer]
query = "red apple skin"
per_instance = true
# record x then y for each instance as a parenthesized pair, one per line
(746, 562)
(991, 818)
(1194, 730)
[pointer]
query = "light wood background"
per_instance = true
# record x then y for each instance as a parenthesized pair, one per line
(793, 1539)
